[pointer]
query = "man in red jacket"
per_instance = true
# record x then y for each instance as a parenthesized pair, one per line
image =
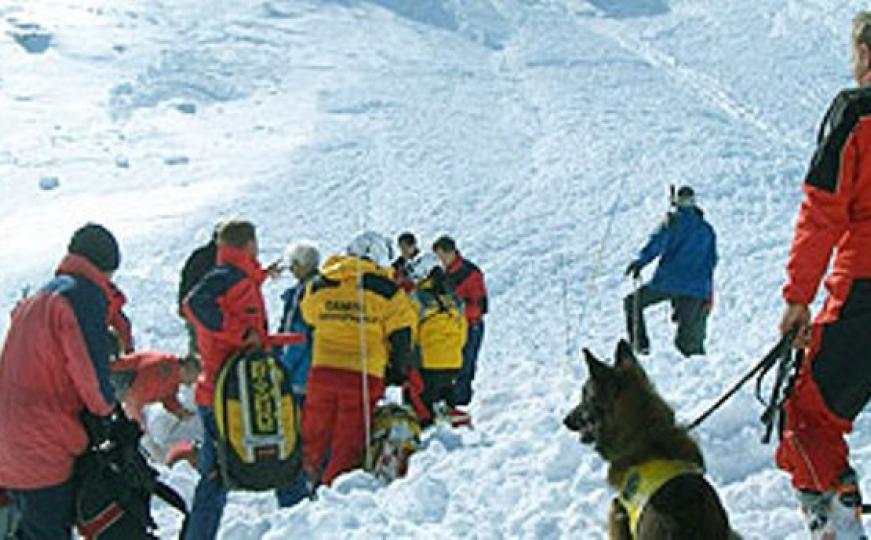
(156, 377)
(467, 281)
(54, 365)
(229, 313)
(834, 382)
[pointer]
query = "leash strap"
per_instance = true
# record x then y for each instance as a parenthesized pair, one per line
(787, 367)
(763, 366)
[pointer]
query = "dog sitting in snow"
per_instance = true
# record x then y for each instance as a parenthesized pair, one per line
(656, 468)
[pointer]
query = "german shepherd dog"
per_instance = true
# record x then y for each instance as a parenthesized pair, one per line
(633, 429)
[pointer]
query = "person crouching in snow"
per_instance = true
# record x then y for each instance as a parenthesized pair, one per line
(362, 320)
(229, 313)
(441, 332)
(54, 366)
(155, 378)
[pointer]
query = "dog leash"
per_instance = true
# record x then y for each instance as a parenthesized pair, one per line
(781, 351)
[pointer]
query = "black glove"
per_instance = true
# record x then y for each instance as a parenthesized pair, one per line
(634, 270)
(401, 359)
(114, 428)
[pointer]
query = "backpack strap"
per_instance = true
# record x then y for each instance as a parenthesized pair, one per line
(171, 497)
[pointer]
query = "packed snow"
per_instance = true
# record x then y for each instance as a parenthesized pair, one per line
(542, 134)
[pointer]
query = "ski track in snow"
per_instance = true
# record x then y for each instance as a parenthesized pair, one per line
(540, 133)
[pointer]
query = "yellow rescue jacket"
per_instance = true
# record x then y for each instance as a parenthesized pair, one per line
(441, 332)
(336, 308)
(643, 481)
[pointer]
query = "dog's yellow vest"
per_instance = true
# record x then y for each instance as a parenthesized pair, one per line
(643, 481)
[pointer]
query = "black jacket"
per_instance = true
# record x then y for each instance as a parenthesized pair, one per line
(195, 267)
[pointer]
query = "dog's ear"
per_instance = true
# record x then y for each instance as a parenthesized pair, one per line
(597, 369)
(624, 357)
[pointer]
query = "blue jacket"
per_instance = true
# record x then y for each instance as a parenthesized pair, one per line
(296, 358)
(687, 249)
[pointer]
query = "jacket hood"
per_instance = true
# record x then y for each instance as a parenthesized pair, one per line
(77, 265)
(242, 260)
(345, 268)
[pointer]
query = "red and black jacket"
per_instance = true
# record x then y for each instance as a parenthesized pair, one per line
(467, 281)
(224, 307)
(835, 215)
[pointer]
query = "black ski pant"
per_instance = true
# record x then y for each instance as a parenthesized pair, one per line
(690, 314)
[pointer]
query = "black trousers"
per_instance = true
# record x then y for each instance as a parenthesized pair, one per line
(690, 314)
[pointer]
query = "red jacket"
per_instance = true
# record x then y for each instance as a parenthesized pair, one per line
(118, 320)
(836, 212)
(54, 364)
(157, 380)
(467, 281)
(224, 306)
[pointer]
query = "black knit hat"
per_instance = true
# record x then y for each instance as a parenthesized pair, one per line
(95, 243)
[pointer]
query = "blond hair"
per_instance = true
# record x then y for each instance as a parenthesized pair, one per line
(862, 29)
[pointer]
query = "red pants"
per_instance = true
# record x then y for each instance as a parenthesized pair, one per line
(333, 421)
(832, 388)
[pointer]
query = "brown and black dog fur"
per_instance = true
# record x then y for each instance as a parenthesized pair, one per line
(628, 424)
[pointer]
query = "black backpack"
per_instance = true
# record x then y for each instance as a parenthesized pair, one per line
(114, 484)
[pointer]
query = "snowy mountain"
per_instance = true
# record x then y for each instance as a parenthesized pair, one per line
(541, 133)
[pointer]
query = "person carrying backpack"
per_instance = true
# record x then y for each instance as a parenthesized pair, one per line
(362, 320)
(686, 246)
(229, 314)
(441, 332)
(54, 365)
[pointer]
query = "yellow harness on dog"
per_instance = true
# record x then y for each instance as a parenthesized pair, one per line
(643, 481)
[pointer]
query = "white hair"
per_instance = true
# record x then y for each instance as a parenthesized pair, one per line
(304, 253)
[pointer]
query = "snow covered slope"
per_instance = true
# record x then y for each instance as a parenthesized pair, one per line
(541, 134)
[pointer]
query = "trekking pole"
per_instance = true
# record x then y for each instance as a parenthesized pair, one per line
(763, 366)
(364, 361)
(636, 311)
(565, 306)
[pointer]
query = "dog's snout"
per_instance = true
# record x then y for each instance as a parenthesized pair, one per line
(574, 420)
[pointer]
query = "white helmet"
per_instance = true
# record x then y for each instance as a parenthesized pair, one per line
(422, 266)
(373, 246)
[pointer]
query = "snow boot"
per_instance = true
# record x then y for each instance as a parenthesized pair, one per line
(459, 418)
(835, 514)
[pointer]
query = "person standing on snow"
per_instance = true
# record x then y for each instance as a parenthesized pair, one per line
(303, 260)
(441, 332)
(53, 367)
(197, 265)
(466, 280)
(229, 314)
(362, 320)
(408, 251)
(687, 249)
(834, 381)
